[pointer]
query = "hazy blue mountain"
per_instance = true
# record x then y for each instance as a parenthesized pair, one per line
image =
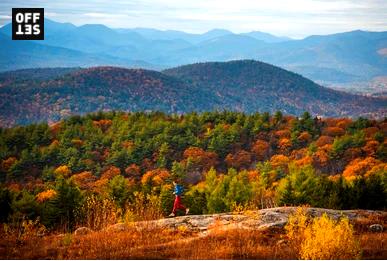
(355, 56)
(266, 37)
(91, 38)
(223, 48)
(26, 54)
(154, 34)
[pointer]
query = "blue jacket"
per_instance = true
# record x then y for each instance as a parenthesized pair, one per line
(178, 190)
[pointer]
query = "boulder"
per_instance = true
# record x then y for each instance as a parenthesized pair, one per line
(82, 231)
(377, 228)
(119, 227)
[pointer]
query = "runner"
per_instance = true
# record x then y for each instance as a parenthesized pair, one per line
(177, 204)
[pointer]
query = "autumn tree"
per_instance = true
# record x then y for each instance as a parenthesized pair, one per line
(200, 158)
(241, 159)
(261, 150)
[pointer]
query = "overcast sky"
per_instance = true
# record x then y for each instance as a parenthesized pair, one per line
(293, 18)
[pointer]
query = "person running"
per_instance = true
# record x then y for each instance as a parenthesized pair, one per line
(177, 204)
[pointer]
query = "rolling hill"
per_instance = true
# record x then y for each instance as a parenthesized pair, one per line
(89, 90)
(255, 86)
(245, 85)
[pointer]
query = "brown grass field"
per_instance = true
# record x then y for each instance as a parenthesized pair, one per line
(156, 243)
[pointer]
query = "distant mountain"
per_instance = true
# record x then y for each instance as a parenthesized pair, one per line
(23, 75)
(223, 48)
(337, 59)
(153, 34)
(238, 85)
(348, 56)
(26, 54)
(266, 37)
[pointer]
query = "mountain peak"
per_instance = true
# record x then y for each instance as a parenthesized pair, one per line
(218, 31)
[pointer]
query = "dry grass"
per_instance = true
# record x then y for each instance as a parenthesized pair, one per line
(156, 243)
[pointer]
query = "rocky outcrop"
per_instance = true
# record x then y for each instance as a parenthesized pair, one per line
(259, 220)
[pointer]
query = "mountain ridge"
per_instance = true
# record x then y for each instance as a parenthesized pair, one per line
(333, 60)
(246, 85)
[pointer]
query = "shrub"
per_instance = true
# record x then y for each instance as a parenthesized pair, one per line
(325, 238)
(322, 237)
(97, 213)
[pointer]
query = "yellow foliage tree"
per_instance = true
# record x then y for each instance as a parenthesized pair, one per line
(63, 170)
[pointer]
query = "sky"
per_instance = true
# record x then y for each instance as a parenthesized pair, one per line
(292, 18)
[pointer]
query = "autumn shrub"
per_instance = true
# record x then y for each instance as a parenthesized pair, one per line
(295, 228)
(322, 237)
(245, 208)
(24, 229)
(144, 207)
(328, 239)
(96, 213)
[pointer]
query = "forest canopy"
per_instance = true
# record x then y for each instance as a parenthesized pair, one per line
(226, 161)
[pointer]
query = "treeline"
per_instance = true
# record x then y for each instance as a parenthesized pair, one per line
(228, 161)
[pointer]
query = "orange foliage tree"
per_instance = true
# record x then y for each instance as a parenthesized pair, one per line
(324, 140)
(155, 177)
(103, 124)
(201, 158)
(7, 163)
(107, 175)
(359, 167)
(283, 134)
(284, 145)
(305, 137)
(133, 171)
(279, 161)
(241, 159)
(84, 180)
(333, 131)
(344, 123)
(370, 131)
(45, 195)
(261, 149)
(371, 147)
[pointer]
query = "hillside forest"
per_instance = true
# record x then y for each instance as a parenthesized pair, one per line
(50, 95)
(116, 165)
